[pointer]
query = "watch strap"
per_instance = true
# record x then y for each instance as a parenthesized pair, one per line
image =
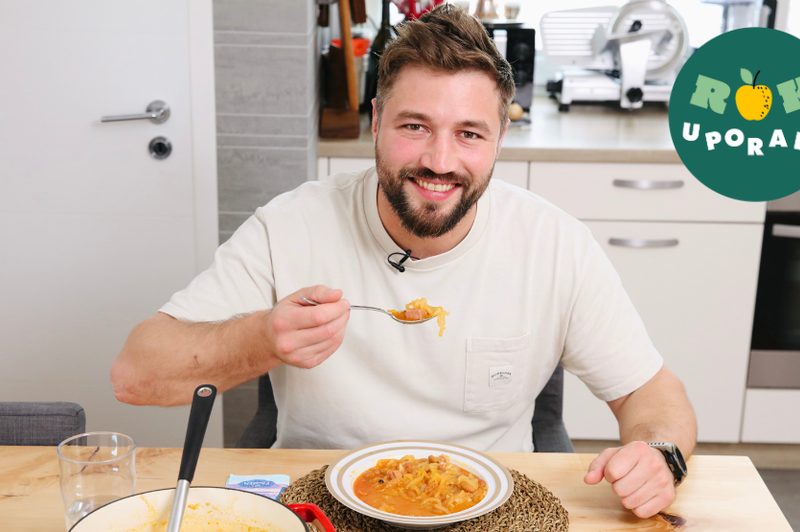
(674, 459)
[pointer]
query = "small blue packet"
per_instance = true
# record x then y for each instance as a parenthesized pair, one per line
(268, 485)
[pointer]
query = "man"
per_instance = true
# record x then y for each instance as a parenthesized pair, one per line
(525, 284)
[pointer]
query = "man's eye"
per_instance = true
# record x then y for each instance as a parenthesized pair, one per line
(414, 127)
(471, 135)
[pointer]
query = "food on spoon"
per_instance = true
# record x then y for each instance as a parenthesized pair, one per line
(419, 309)
(419, 487)
(415, 314)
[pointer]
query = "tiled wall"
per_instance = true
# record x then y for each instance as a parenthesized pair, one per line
(266, 60)
(266, 64)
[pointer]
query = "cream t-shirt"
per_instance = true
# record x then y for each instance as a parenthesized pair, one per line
(528, 287)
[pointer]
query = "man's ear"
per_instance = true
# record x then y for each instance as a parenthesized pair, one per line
(374, 119)
(502, 136)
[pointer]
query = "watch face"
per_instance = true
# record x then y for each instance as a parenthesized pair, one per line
(674, 459)
(679, 456)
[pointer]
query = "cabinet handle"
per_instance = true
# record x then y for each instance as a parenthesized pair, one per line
(788, 231)
(647, 184)
(643, 242)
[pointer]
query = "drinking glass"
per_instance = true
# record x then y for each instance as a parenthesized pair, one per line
(512, 10)
(96, 468)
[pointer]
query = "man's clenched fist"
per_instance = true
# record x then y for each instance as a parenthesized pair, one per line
(638, 474)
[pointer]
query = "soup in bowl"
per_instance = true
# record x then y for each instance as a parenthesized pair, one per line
(420, 487)
(472, 483)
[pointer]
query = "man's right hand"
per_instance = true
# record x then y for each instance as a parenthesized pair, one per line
(304, 335)
(165, 359)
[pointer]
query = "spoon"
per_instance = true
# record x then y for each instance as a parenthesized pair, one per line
(202, 403)
(376, 309)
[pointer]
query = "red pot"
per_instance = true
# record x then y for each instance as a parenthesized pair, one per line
(208, 510)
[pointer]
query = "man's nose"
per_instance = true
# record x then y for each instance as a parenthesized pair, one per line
(440, 155)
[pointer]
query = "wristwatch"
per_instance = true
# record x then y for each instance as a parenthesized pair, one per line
(674, 459)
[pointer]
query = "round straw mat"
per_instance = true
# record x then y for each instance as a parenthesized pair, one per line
(531, 508)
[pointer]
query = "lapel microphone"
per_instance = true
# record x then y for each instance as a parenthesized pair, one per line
(399, 264)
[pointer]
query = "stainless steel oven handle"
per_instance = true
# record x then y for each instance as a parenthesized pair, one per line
(647, 184)
(787, 231)
(643, 242)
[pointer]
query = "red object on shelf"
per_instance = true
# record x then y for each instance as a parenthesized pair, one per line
(360, 46)
(412, 8)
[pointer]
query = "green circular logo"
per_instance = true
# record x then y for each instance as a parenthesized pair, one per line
(734, 114)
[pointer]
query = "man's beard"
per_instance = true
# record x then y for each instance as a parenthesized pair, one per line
(429, 221)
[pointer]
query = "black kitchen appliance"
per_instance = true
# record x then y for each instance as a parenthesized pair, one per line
(775, 346)
(520, 49)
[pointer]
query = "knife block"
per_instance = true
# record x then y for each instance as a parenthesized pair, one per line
(337, 120)
(342, 121)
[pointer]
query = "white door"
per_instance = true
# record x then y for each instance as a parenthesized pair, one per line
(95, 233)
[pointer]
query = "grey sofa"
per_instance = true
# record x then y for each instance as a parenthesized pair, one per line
(40, 423)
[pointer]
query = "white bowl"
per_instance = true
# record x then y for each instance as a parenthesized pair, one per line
(344, 471)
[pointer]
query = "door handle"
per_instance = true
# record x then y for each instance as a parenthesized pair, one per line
(643, 242)
(157, 112)
(787, 231)
(647, 184)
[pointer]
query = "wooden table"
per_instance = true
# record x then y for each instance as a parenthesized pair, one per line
(721, 493)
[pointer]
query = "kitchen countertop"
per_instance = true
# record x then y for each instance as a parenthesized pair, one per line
(588, 133)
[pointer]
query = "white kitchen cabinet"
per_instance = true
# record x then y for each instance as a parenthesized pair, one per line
(771, 416)
(514, 172)
(322, 168)
(653, 192)
(347, 164)
(695, 298)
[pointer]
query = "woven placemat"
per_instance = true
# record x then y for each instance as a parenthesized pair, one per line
(531, 508)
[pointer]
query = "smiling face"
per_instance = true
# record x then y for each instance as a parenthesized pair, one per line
(436, 142)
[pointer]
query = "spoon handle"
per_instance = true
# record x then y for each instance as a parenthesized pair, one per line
(357, 307)
(309, 301)
(374, 309)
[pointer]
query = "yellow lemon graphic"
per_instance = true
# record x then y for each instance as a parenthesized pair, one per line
(753, 101)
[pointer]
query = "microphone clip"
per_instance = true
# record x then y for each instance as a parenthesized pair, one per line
(399, 264)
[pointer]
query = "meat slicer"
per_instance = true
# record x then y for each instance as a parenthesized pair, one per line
(629, 53)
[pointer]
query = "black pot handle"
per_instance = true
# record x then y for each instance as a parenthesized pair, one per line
(202, 404)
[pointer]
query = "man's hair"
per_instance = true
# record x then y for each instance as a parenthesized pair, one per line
(445, 39)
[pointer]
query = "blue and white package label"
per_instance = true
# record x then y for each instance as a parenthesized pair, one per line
(268, 485)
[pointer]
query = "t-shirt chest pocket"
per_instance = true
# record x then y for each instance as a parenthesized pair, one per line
(496, 373)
